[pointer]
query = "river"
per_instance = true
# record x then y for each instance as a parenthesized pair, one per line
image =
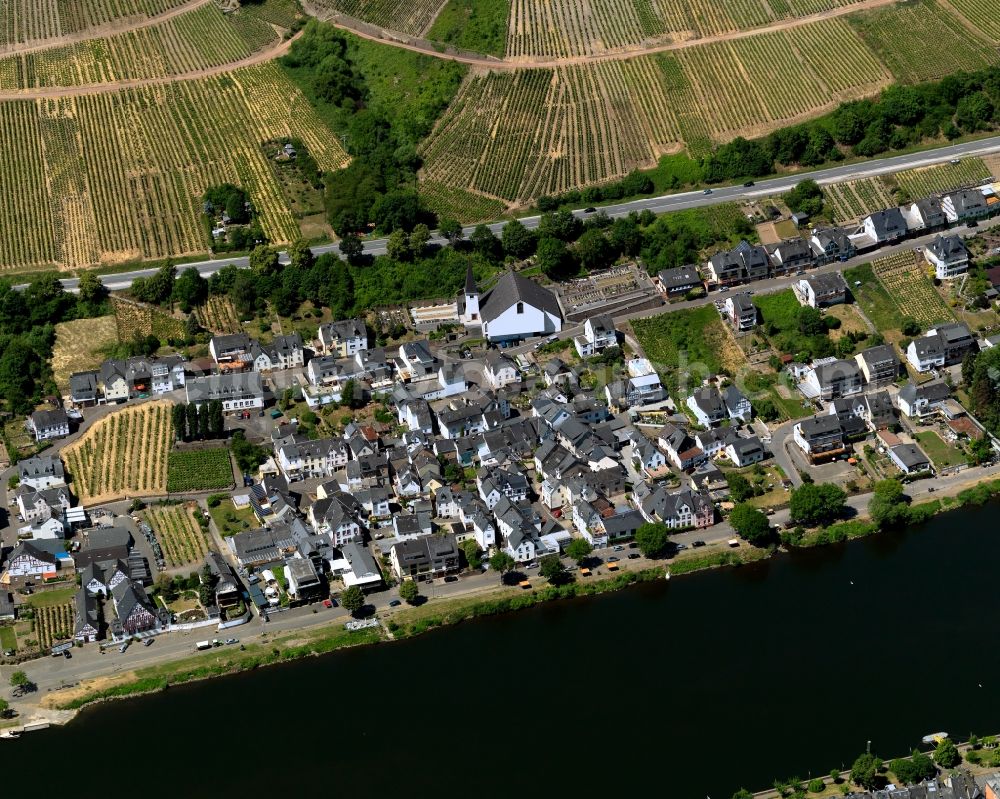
(695, 687)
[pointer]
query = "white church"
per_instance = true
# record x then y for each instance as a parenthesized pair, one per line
(514, 309)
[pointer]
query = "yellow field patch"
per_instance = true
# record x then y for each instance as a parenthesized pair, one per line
(79, 344)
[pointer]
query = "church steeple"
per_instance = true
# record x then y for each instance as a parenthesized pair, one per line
(471, 314)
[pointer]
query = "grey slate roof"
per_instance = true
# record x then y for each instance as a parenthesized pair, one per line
(511, 289)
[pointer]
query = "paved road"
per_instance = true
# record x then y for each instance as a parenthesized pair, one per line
(671, 202)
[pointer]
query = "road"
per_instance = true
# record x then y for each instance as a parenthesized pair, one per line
(658, 205)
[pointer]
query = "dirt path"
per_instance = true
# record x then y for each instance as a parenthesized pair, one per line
(50, 92)
(101, 31)
(406, 42)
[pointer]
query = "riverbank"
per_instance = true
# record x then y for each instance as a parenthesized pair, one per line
(409, 622)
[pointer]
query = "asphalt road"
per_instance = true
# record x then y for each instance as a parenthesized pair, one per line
(670, 202)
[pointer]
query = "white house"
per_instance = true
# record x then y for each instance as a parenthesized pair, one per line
(305, 459)
(819, 291)
(741, 311)
(284, 352)
(941, 346)
(948, 256)
(965, 204)
(599, 333)
(835, 379)
(500, 370)
(344, 338)
(236, 390)
(46, 425)
(884, 226)
(745, 451)
(516, 308)
(41, 471)
(707, 406)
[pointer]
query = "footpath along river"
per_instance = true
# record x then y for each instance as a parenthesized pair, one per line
(690, 688)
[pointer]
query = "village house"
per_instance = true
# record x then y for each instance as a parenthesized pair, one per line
(41, 471)
(500, 370)
(908, 458)
(678, 510)
(343, 339)
(515, 308)
(284, 352)
(837, 379)
(820, 291)
(919, 401)
(819, 437)
(924, 214)
(745, 451)
(236, 390)
(135, 613)
(232, 349)
(29, 560)
(742, 264)
(948, 256)
(879, 365)
(599, 333)
(83, 389)
(941, 346)
(884, 227)
(741, 311)
(428, 556)
(964, 205)
(302, 460)
(831, 244)
(707, 406)
(679, 280)
(791, 255)
(46, 425)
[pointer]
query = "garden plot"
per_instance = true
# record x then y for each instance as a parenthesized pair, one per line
(181, 537)
(905, 280)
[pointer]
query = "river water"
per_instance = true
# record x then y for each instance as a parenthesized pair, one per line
(694, 688)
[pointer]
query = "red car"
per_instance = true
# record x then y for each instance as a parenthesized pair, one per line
(327, 603)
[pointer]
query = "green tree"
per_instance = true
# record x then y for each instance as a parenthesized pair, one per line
(865, 771)
(408, 591)
(299, 254)
(473, 554)
(397, 246)
(553, 258)
(595, 251)
(264, 260)
(351, 246)
(518, 241)
(743, 793)
(451, 229)
(817, 785)
(19, 679)
(946, 755)
(4, 708)
(751, 524)
(739, 487)
(910, 327)
(351, 395)
(888, 506)
(652, 538)
(352, 599)
(91, 288)
(192, 420)
(917, 768)
(179, 415)
(485, 243)
(419, 238)
(502, 563)
(813, 504)
(553, 570)
(190, 289)
(579, 549)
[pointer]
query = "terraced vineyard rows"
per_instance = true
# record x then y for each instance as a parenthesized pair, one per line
(177, 529)
(120, 175)
(219, 315)
(24, 21)
(905, 279)
(464, 206)
(124, 453)
(850, 201)
(921, 41)
(943, 177)
(197, 40)
(983, 14)
(53, 623)
(413, 17)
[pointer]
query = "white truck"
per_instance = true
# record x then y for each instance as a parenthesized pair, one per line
(203, 645)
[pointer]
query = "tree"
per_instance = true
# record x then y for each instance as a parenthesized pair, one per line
(263, 260)
(451, 229)
(888, 506)
(299, 254)
(352, 599)
(351, 396)
(485, 243)
(397, 246)
(419, 239)
(192, 420)
(652, 538)
(4, 704)
(19, 680)
(946, 755)
(595, 251)
(813, 504)
(751, 524)
(806, 197)
(408, 591)
(518, 241)
(981, 451)
(917, 768)
(179, 415)
(743, 793)
(553, 570)
(473, 554)
(351, 246)
(92, 290)
(579, 549)
(739, 487)
(865, 771)
(190, 289)
(502, 563)
(552, 257)
(910, 327)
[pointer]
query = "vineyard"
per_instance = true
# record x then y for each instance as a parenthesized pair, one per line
(516, 135)
(414, 18)
(982, 14)
(904, 36)
(177, 529)
(905, 280)
(125, 453)
(943, 177)
(219, 315)
(855, 199)
(135, 319)
(23, 21)
(119, 176)
(53, 623)
(199, 470)
(197, 40)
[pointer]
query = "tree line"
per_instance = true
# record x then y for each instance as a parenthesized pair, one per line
(198, 423)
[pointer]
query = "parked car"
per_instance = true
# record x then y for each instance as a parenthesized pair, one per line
(619, 548)
(148, 642)
(697, 544)
(327, 603)
(707, 191)
(633, 545)
(633, 556)
(232, 640)
(395, 603)
(590, 210)
(748, 184)
(124, 646)
(613, 559)
(451, 578)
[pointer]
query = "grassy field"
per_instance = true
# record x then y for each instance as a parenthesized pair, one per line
(479, 25)
(57, 596)
(123, 453)
(8, 640)
(942, 455)
(850, 321)
(181, 538)
(230, 520)
(685, 346)
(413, 17)
(79, 345)
(83, 162)
(874, 300)
(199, 469)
